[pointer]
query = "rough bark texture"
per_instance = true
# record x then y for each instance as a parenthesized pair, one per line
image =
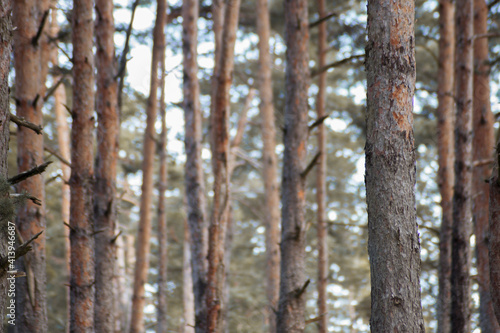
(105, 168)
(291, 315)
(270, 165)
(195, 187)
(482, 143)
(30, 88)
(187, 284)
(144, 232)
(446, 157)
(5, 56)
(220, 162)
(494, 242)
(82, 171)
(321, 179)
(462, 196)
(393, 243)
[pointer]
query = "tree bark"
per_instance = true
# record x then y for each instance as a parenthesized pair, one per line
(494, 241)
(321, 179)
(82, 171)
(187, 284)
(105, 168)
(482, 145)
(393, 243)
(30, 89)
(270, 164)
(462, 196)
(195, 187)
(291, 312)
(144, 232)
(221, 164)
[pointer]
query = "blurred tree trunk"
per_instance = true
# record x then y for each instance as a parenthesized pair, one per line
(494, 241)
(221, 164)
(321, 179)
(64, 151)
(445, 126)
(270, 165)
(144, 233)
(195, 187)
(482, 150)
(187, 284)
(5, 56)
(82, 171)
(462, 196)
(29, 17)
(393, 243)
(105, 168)
(161, 323)
(291, 311)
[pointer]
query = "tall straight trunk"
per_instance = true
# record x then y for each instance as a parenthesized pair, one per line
(105, 168)
(462, 196)
(446, 157)
(64, 143)
(321, 179)
(494, 240)
(270, 164)
(161, 322)
(30, 88)
(393, 243)
(195, 187)
(82, 172)
(291, 310)
(187, 284)
(220, 162)
(144, 232)
(5, 56)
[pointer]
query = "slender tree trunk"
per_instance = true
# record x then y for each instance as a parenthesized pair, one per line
(321, 179)
(30, 87)
(144, 233)
(494, 241)
(270, 165)
(221, 162)
(64, 143)
(446, 157)
(195, 187)
(462, 196)
(291, 311)
(161, 323)
(187, 286)
(105, 168)
(393, 243)
(82, 172)
(482, 143)
(6, 31)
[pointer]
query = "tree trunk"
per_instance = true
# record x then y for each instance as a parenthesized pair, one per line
(393, 243)
(445, 125)
(321, 179)
(161, 323)
(187, 286)
(195, 187)
(30, 89)
(82, 172)
(291, 311)
(494, 241)
(144, 232)
(462, 197)
(270, 165)
(105, 168)
(6, 31)
(482, 150)
(220, 162)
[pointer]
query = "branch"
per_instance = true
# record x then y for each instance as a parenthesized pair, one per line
(311, 165)
(57, 155)
(19, 121)
(321, 20)
(493, 3)
(347, 224)
(479, 163)
(336, 64)
(318, 318)
(20, 251)
(35, 200)
(301, 290)
(244, 156)
(486, 35)
(35, 39)
(242, 122)
(53, 88)
(317, 122)
(30, 173)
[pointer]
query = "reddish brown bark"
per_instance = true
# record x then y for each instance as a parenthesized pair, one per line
(445, 126)
(144, 232)
(82, 172)
(494, 242)
(220, 162)
(187, 284)
(291, 315)
(462, 196)
(30, 88)
(270, 165)
(105, 168)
